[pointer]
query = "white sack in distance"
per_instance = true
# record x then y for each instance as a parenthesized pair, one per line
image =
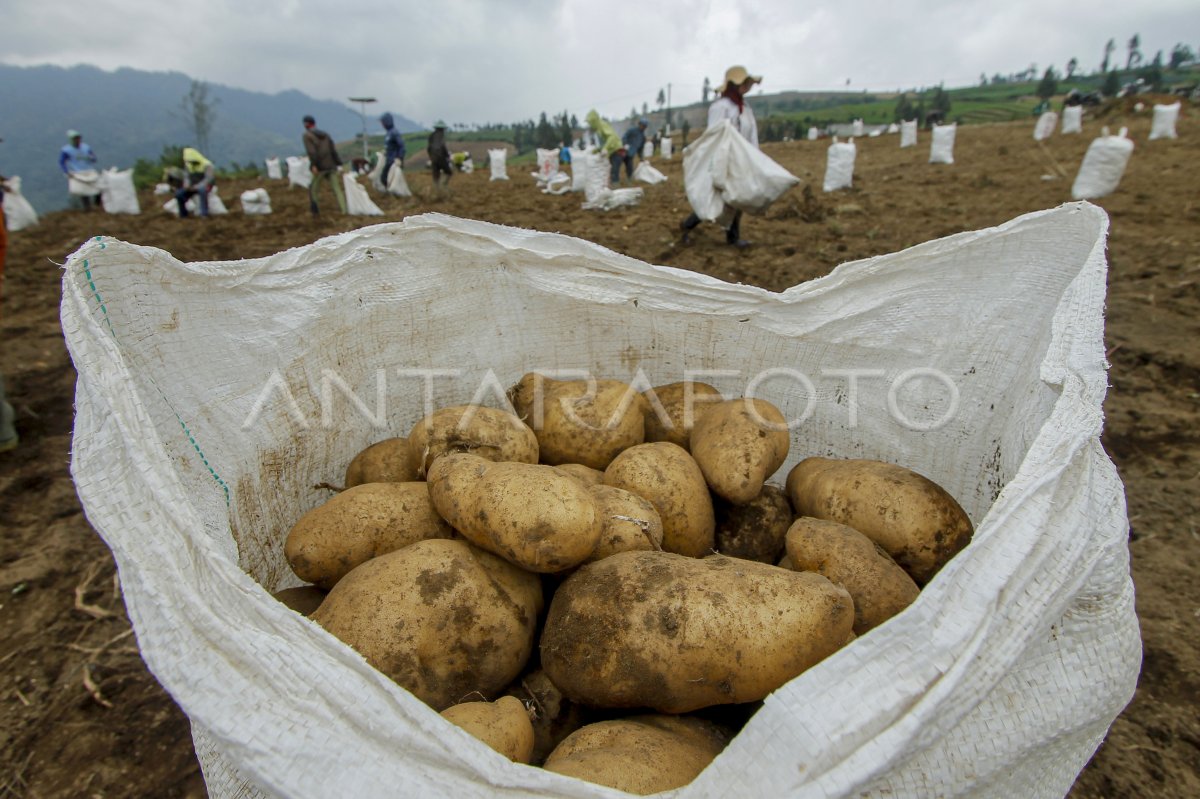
(893, 128)
(547, 165)
(908, 133)
(1072, 119)
(117, 194)
(608, 199)
(497, 163)
(274, 172)
(358, 202)
(299, 171)
(18, 212)
(648, 149)
(1000, 680)
(255, 202)
(579, 168)
(84, 183)
(856, 128)
(941, 147)
(397, 184)
(1163, 126)
(839, 165)
(1045, 126)
(1103, 165)
(648, 174)
(813, 133)
(595, 172)
(666, 147)
(722, 168)
(216, 206)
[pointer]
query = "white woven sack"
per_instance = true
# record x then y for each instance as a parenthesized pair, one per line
(216, 206)
(608, 199)
(256, 202)
(648, 149)
(856, 128)
(18, 211)
(163, 188)
(497, 160)
(722, 168)
(299, 171)
(893, 128)
(839, 165)
(666, 147)
(908, 133)
(579, 167)
(358, 202)
(596, 174)
(117, 194)
(1163, 126)
(559, 183)
(648, 174)
(1072, 119)
(397, 184)
(813, 133)
(197, 447)
(1103, 166)
(1045, 126)
(941, 146)
(547, 161)
(274, 171)
(84, 183)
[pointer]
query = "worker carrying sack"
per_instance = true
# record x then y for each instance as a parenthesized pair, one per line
(722, 168)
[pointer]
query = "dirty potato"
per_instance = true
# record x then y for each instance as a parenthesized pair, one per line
(503, 725)
(739, 444)
(585, 474)
(755, 530)
(388, 461)
(681, 403)
(667, 476)
(630, 522)
(554, 716)
(489, 433)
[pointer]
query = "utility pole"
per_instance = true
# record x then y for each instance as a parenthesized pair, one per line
(363, 105)
(668, 108)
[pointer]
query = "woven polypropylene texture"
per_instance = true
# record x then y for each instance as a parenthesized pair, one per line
(213, 399)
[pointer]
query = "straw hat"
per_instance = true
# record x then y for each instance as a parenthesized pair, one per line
(738, 75)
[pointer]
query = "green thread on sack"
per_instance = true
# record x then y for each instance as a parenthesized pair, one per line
(203, 458)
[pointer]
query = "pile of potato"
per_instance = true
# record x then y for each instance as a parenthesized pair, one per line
(603, 584)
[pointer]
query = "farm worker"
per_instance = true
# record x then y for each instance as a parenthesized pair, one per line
(323, 160)
(731, 105)
(634, 141)
(610, 143)
(198, 177)
(78, 162)
(393, 146)
(439, 156)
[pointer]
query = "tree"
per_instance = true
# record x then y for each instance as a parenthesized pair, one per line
(904, 109)
(1049, 85)
(685, 127)
(633, 114)
(1109, 48)
(199, 112)
(1072, 65)
(661, 100)
(941, 101)
(645, 109)
(1112, 84)
(1135, 54)
(1181, 54)
(983, 81)
(544, 135)
(1153, 74)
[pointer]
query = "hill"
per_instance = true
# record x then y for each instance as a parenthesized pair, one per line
(130, 114)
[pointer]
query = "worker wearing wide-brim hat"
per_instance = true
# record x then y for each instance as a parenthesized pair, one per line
(731, 105)
(439, 157)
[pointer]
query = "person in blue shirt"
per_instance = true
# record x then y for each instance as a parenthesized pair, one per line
(634, 140)
(78, 162)
(393, 144)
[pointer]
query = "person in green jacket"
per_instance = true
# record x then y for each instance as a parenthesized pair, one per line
(610, 144)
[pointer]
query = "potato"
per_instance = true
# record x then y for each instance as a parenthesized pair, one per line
(739, 444)
(910, 516)
(358, 524)
(755, 530)
(880, 589)
(489, 433)
(682, 403)
(658, 630)
(503, 725)
(534, 516)
(666, 475)
(554, 717)
(444, 619)
(629, 522)
(388, 461)
(578, 422)
(303, 599)
(641, 755)
(585, 474)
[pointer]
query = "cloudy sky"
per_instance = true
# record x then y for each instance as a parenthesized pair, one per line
(503, 60)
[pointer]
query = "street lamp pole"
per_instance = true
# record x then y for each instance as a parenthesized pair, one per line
(363, 104)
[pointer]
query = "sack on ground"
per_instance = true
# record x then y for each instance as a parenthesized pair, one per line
(1103, 165)
(908, 133)
(256, 202)
(18, 212)
(646, 173)
(358, 202)
(1072, 119)
(1163, 125)
(299, 171)
(1045, 125)
(195, 449)
(497, 160)
(117, 193)
(666, 147)
(941, 145)
(839, 165)
(397, 184)
(274, 172)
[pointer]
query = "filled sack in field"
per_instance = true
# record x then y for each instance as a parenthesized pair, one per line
(256, 202)
(941, 146)
(274, 171)
(1103, 165)
(1163, 125)
(397, 184)
(648, 150)
(299, 171)
(647, 173)
(908, 133)
(84, 183)
(981, 365)
(839, 165)
(117, 194)
(216, 206)
(666, 147)
(856, 128)
(559, 183)
(358, 202)
(893, 128)
(497, 160)
(721, 168)
(1072, 119)
(1045, 126)
(163, 188)
(607, 199)
(18, 212)
(547, 165)
(594, 169)
(813, 133)
(580, 161)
